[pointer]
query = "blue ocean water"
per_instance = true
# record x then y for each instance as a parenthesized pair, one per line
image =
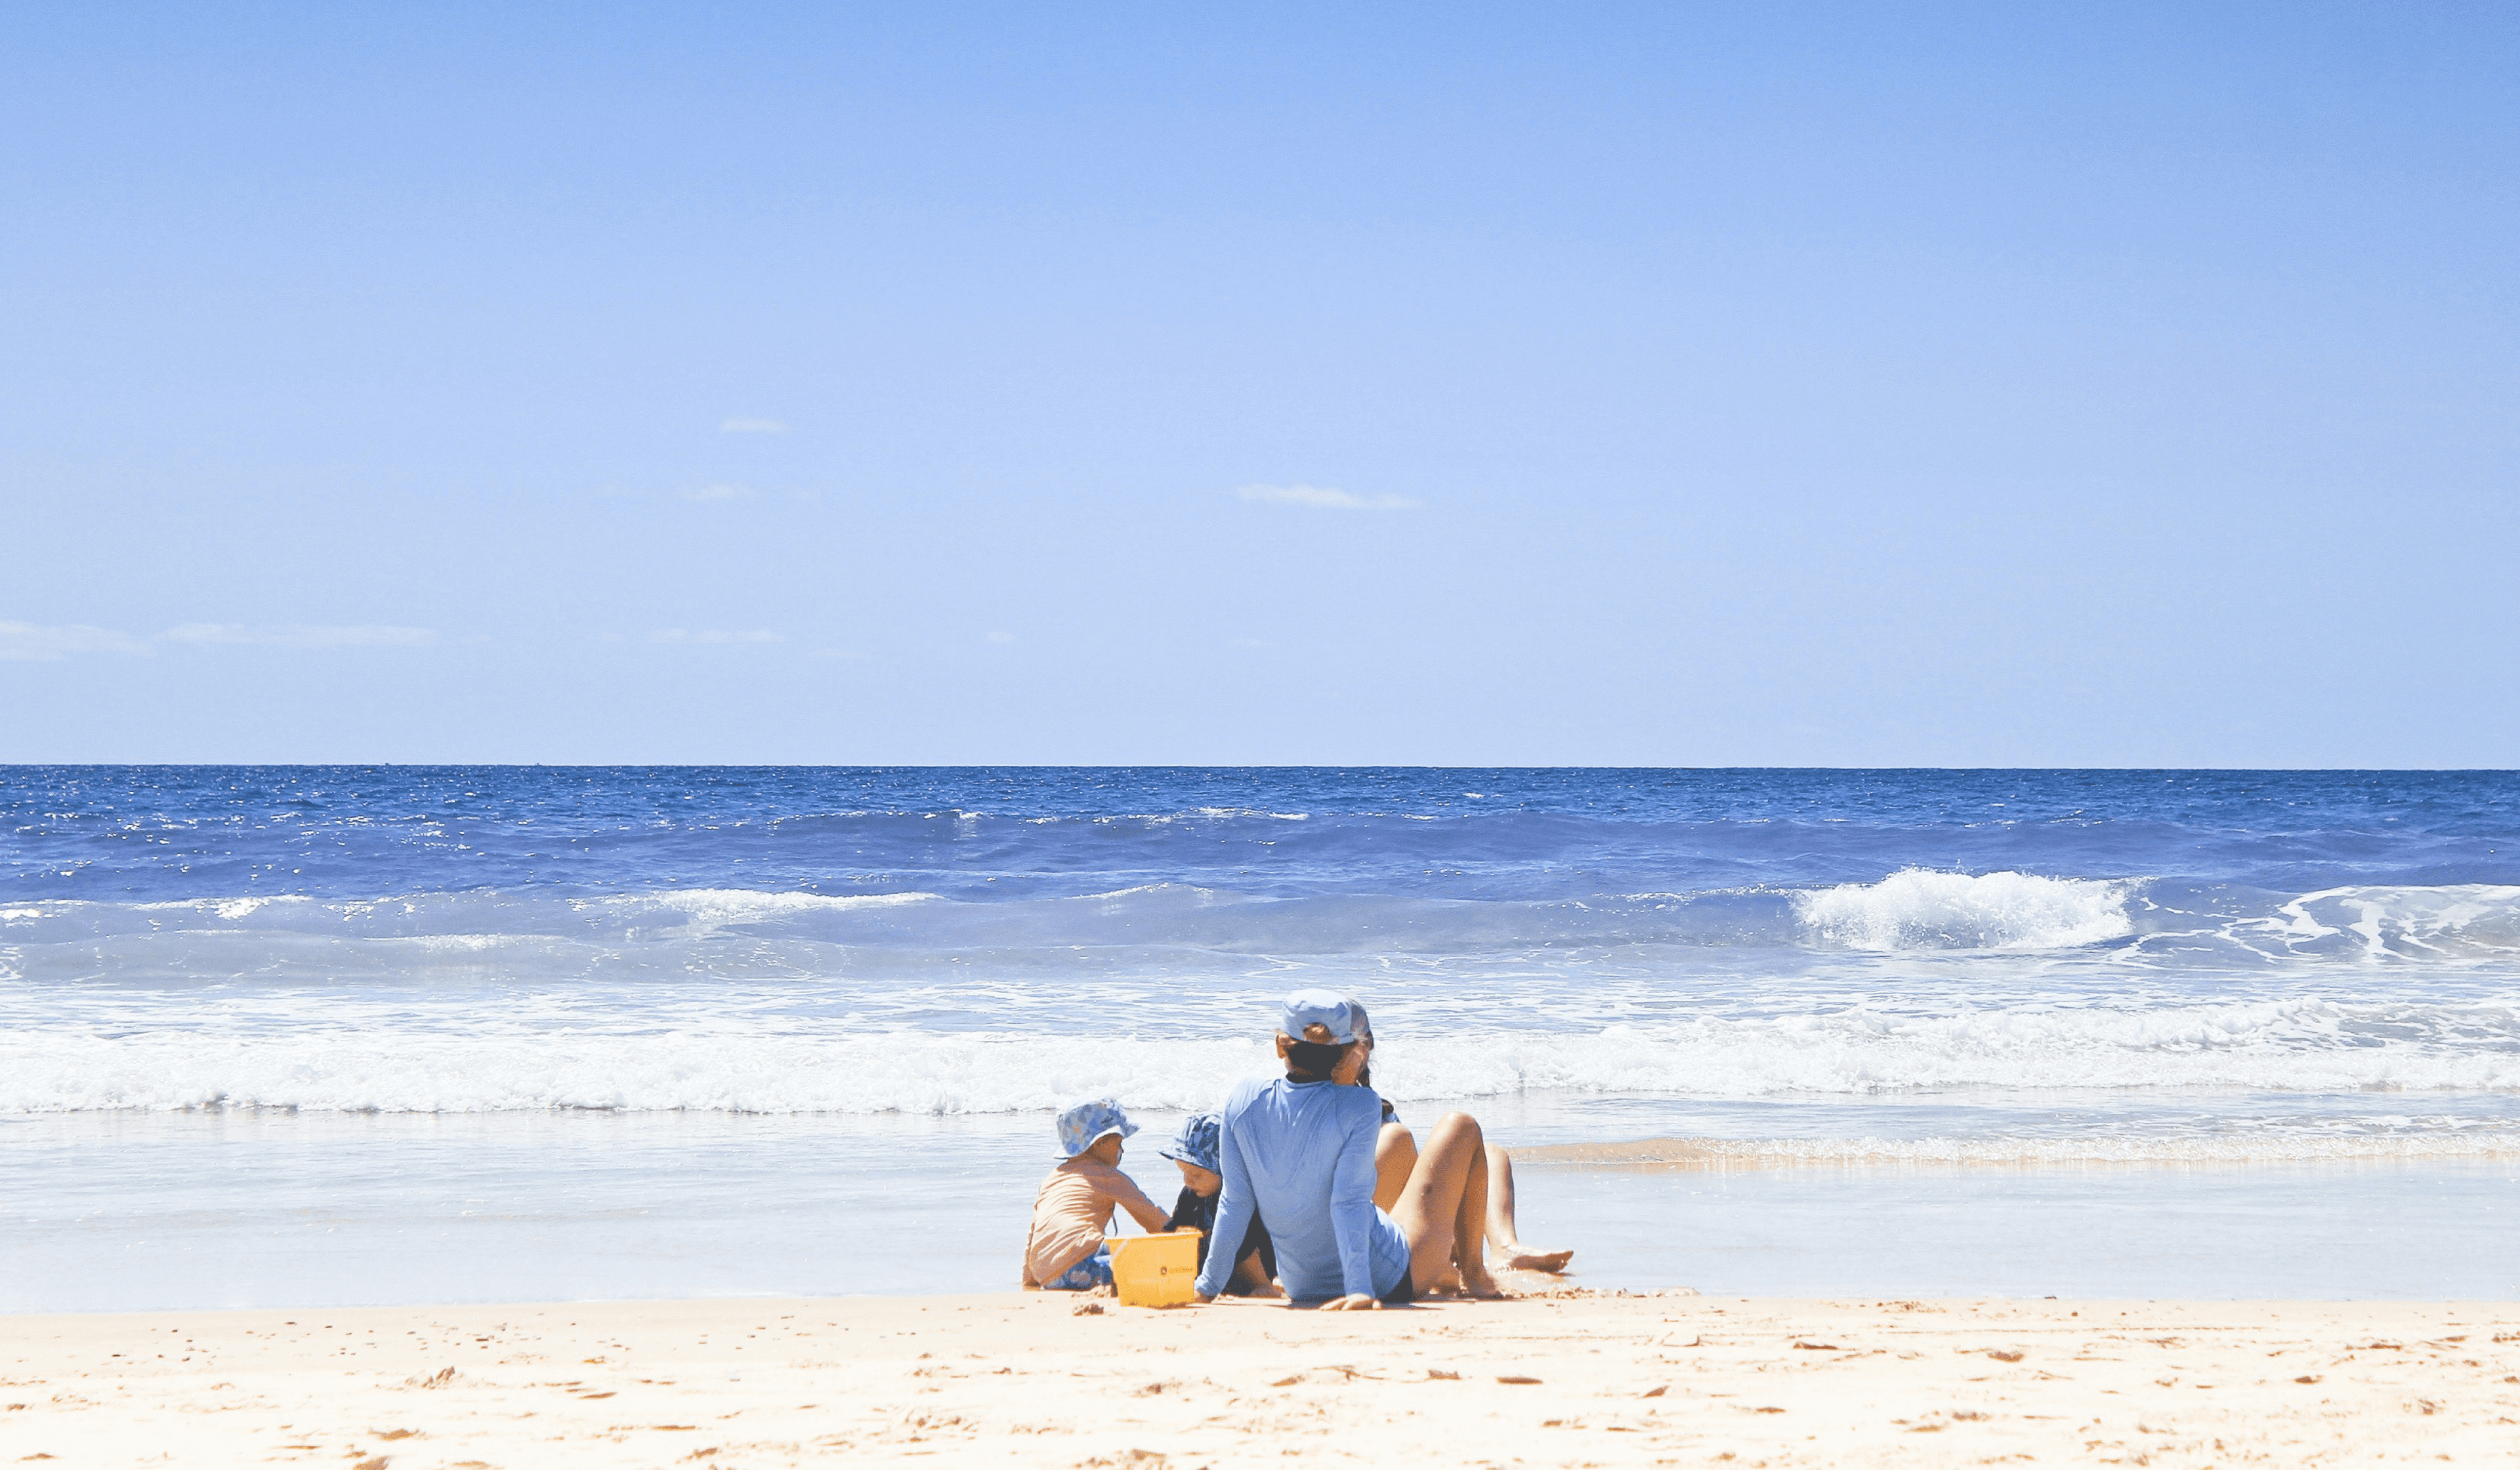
(401, 998)
(436, 940)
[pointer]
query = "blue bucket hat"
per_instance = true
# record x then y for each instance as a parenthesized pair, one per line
(1080, 1126)
(1337, 1016)
(1200, 1141)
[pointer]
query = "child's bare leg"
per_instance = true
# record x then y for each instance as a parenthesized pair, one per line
(1503, 1237)
(1395, 1154)
(1443, 1211)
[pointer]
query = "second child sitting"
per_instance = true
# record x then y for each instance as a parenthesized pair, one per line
(1194, 1151)
(1073, 1210)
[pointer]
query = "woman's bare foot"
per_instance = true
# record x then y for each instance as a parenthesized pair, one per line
(1519, 1257)
(1452, 1283)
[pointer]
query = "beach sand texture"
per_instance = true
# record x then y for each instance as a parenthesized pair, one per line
(1044, 1379)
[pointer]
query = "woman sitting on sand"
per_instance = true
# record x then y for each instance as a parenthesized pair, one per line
(1299, 1151)
(1395, 1155)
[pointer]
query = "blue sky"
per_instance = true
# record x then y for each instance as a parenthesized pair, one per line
(2002, 385)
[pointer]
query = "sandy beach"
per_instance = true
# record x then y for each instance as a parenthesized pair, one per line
(1041, 1379)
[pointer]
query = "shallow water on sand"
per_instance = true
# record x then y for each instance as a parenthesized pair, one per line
(124, 1212)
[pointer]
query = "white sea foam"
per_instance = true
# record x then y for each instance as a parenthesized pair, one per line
(705, 911)
(738, 1055)
(2448, 921)
(230, 908)
(748, 903)
(714, 1069)
(1922, 909)
(464, 944)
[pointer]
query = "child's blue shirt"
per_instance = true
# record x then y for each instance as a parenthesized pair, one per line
(1300, 1155)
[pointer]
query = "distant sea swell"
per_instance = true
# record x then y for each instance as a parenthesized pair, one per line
(1913, 910)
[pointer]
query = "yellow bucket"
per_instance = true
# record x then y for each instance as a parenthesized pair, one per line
(1155, 1271)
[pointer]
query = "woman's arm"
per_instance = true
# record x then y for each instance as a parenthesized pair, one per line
(1235, 1209)
(1352, 1197)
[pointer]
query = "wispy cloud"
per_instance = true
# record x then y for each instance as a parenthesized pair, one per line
(22, 642)
(1317, 498)
(719, 492)
(686, 636)
(304, 635)
(752, 426)
(34, 641)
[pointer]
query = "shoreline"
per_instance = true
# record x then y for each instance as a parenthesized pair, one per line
(517, 1210)
(1562, 1375)
(1722, 1154)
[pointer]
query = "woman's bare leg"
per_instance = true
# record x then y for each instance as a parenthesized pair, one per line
(1395, 1154)
(1503, 1239)
(1443, 1210)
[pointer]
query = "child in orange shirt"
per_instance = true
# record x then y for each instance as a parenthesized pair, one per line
(1073, 1210)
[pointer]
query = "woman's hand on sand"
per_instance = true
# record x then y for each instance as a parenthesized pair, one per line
(1354, 1301)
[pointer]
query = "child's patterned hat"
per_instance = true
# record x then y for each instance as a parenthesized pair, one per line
(1080, 1126)
(1200, 1141)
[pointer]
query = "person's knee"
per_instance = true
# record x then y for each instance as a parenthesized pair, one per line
(1460, 1126)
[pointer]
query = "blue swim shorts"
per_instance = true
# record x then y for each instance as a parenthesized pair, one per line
(1086, 1274)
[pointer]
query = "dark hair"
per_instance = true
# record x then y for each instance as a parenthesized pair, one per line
(1314, 1058)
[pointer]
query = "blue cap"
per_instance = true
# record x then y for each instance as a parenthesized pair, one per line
(1082, 1125)
(1200, 1141)
(1334, 1013)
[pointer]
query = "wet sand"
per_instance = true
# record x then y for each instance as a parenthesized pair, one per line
(1045, 1379)
(1728, 1155)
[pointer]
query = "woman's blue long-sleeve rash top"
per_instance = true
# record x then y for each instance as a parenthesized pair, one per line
(1301, 1155)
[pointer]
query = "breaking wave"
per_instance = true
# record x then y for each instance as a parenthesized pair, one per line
(1920, 909)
